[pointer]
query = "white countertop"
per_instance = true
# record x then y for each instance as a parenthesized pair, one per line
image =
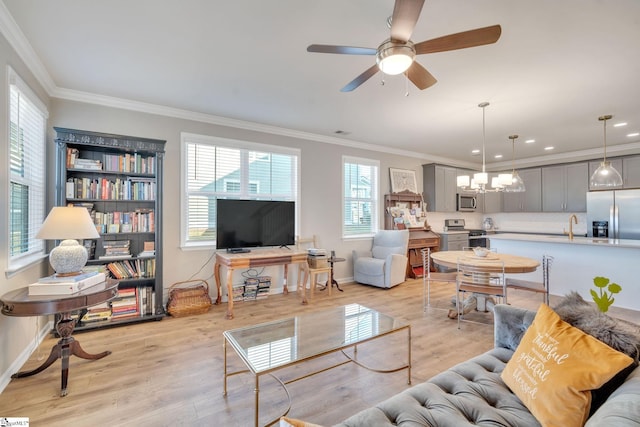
(589, 241)
(453, 232)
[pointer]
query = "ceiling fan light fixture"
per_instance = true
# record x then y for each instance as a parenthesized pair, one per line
(606, 176)
(395, 57)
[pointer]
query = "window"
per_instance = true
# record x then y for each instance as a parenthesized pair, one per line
(27, 121)
(360, 196)
(221, 168)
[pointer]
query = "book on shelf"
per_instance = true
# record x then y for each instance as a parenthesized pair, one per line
(66, 288)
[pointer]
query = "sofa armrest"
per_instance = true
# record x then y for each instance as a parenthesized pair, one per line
(622, 408)
(510, 323)
(361, 254)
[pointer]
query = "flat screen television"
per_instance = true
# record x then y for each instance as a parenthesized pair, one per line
(254, 223)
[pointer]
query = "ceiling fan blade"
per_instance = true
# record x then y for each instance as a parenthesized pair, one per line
(471, 38)
(404, 18)
(420, 77)
(360, 79)
(346, 50)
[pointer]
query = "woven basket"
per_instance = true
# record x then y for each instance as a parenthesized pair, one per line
(189, 297)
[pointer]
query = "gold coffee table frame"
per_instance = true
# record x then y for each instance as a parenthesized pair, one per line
(268, 347)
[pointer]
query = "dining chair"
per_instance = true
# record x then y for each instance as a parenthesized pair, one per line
(312, 272)
(476, 278)
(534, 286)
(428, 277)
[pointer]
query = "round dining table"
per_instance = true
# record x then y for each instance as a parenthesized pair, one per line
(493, 262)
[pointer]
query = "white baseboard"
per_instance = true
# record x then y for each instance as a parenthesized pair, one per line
(25, 354)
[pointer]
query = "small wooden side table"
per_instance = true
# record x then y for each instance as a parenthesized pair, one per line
(19, 303)
(331, 260)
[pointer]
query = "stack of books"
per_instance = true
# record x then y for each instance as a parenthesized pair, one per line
(250, 289)
(66, 285)
(264, 285)
(148, 250)
(97, 313)
(87, 164)
(116, 249)
(317, 258)
(125, 304)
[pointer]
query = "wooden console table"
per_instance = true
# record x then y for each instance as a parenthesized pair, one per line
(256, 258)
(19, 303)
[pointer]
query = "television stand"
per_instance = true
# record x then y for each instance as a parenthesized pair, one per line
(238, 250)
(258, 258)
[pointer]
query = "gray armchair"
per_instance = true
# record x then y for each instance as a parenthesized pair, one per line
(385, 265)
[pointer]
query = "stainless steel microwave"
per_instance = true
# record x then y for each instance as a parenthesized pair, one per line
(467, 202)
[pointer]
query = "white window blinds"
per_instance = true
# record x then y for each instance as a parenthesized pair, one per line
(219, 168)
(360, 197)
(27, 121)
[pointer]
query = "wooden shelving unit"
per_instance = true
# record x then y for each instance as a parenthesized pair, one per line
(119, 180)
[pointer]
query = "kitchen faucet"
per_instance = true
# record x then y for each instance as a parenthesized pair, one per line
(573, 218)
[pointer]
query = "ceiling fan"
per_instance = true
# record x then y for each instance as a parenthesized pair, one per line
(397, 54)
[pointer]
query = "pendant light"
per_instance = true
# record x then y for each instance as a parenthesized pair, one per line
(517, 184)
(480, 179)
(606, 176)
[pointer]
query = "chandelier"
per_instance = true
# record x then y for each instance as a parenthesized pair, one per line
(480, 180)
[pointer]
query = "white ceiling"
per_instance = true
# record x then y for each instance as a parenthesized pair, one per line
(557, 66)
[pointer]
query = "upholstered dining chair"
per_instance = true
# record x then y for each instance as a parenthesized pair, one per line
(429, 277)
(385, 265)
(477, 279)
(533, 286)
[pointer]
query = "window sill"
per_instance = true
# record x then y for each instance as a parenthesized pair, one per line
(23, 264)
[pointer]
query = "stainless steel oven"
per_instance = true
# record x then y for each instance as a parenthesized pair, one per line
(466, 202)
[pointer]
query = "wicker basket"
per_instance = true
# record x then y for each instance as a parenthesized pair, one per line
(189, 297)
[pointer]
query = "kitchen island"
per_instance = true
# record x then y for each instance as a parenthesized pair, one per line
(578, 261)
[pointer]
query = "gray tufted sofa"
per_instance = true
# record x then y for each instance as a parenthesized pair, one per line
(473, 394)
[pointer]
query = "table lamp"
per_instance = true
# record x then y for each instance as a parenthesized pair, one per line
(68, 223)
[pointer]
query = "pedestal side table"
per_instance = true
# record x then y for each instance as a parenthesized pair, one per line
(19, 303)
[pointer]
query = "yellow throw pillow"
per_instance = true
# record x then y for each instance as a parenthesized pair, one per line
(555, 366)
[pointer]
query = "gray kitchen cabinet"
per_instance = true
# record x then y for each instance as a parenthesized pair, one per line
(531, 199)
(491, 202)
(564, 187)
(616, 163)
(440, 187)
(630, 172)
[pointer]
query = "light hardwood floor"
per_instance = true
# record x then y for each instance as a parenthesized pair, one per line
(169, 373)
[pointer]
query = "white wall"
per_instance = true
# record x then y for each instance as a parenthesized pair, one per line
(321, 173)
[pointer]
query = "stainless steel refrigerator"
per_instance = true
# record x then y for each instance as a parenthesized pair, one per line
(614, 214)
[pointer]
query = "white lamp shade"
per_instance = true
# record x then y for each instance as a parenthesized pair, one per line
(481, 178)
(67, 222)
(463, 181)
(505, 178)
(495, 182)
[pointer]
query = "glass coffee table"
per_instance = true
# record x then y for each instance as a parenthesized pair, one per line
(267, 347)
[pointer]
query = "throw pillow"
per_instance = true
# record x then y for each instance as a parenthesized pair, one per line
(555, 366)
(619, 335)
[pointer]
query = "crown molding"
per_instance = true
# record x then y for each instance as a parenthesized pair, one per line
(16, 38)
